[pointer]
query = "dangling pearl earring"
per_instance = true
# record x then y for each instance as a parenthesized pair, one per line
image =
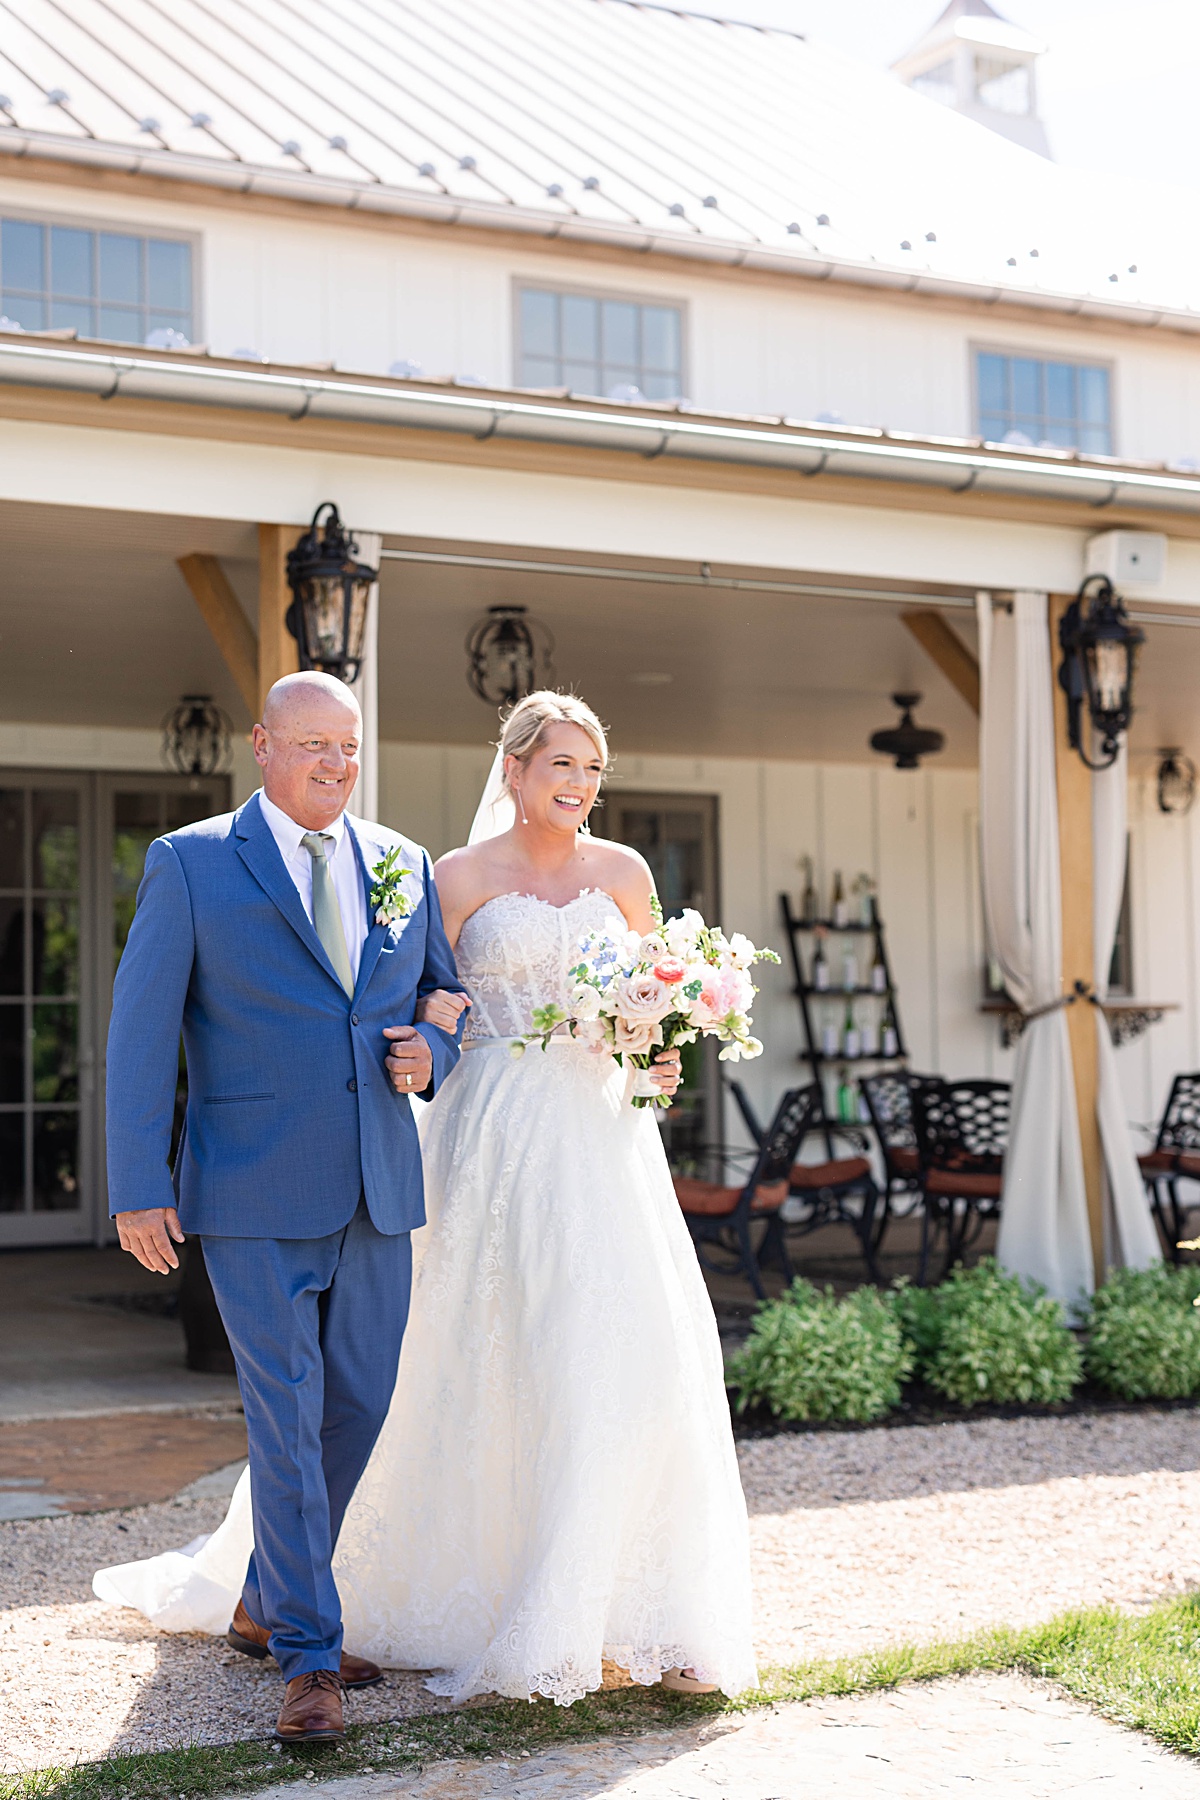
(521, 804)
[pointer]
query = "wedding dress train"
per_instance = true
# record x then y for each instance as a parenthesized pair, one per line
(556, 1481)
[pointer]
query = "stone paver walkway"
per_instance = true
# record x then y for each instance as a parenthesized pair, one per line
(990, 1737)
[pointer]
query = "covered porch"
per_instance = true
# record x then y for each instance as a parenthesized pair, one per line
(741, 630)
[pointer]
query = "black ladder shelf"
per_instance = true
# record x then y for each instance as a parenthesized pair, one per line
(802, 932)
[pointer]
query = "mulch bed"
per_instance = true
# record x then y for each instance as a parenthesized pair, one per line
(921, 1405)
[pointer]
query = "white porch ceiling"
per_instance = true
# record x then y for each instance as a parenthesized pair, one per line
(98, 629)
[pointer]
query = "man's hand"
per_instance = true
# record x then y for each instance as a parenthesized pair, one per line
(147, 1235)
(409, 1062)
(666, 1071)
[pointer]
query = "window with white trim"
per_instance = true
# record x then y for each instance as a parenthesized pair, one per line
(1030, 400)
(106, 284)
(594, 344)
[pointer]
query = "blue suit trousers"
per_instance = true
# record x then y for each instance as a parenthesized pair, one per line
(316, 1326)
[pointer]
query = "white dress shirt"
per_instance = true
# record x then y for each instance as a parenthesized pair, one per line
(343, 865)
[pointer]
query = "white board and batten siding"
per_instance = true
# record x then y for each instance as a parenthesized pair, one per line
(915, 834)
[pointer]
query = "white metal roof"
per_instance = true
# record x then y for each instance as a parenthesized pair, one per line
(592, 119)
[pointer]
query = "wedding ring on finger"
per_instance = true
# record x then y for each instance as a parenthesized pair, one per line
(408, 1081)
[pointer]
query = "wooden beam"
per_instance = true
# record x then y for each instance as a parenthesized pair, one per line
(1074, 783)
(277, 650)
(938, 638)
(222, 613)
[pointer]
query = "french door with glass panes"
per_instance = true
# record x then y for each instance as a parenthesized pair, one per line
(72, 849)
(133, 810)
(47, 1025)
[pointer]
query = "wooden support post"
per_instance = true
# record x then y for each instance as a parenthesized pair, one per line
(222, 613)
(938, 638)
(1074, 781)
(277, 650)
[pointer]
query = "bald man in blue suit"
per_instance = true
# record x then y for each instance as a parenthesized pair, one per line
(291, 945)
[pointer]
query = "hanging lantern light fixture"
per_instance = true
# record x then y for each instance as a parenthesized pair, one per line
(907, 742)
(1176, 781)
(330, 589)
(196, 736)
(1099, 645)
(508, 655)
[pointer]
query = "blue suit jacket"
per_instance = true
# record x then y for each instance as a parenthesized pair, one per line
(291, 1116)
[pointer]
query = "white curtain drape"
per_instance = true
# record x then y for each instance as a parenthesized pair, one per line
(1044, 1221)
(1130, 1238)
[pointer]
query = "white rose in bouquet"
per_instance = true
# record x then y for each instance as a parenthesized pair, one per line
(652, 947)
(584, 1004)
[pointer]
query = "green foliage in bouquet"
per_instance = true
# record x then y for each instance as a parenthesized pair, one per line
(987, 1336)
(1144, 1334)
(811, 1356)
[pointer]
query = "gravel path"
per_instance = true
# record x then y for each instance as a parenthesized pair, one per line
(859, 1540)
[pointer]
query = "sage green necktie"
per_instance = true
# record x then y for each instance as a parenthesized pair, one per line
(327, 914)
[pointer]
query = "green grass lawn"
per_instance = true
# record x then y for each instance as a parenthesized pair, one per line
(1143, 1672)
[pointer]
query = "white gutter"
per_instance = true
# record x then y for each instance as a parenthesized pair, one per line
(441, 208)
(647, 432)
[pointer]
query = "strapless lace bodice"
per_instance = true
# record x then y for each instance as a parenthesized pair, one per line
(514, 952)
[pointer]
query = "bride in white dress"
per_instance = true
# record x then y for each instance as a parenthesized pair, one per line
(556, 1484)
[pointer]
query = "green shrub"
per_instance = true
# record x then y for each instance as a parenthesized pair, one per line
(811, 1356)
(1144, 1334)
(985, 1335)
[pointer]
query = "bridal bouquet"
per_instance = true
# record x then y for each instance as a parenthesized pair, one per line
(636, 996)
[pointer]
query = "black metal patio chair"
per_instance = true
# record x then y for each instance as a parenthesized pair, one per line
(962, 1133)
(889, 1108)
(818, 1192)
(720, 1217)
(1175, 1157)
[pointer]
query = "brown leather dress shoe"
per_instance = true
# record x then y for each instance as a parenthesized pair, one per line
(312, 1709)
(254, 1640)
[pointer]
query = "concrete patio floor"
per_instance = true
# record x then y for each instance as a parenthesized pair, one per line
(65, 1353)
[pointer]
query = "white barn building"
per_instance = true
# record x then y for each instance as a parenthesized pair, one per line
(719, 352)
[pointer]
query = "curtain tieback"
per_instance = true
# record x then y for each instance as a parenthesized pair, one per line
(1081, 991)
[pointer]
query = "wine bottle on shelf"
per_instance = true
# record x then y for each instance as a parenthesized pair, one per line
(890, 1036)
(829, 1038)
(847, 1099)
(808, 902)
(879, 979)
(849, 968)
(820, 967)
(869, 1033)
(838, 911)
(829, 1091)
(862, 890)
(851, 1037)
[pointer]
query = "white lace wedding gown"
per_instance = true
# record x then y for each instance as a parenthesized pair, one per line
(556, 1481)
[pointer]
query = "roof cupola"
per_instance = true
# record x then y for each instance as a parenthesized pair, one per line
(983, 66)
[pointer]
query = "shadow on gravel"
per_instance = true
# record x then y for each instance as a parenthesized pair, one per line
(785, 1468)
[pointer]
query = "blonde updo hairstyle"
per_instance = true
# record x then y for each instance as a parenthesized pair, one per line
(525, 728)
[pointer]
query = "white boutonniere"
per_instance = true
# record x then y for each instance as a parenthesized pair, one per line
(389, 902)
